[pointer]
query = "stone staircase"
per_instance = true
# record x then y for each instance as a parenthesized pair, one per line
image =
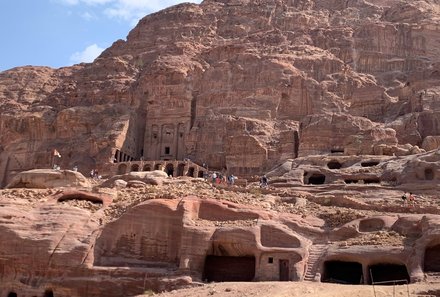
(315, 254)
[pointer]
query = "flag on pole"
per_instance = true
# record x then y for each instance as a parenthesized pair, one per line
(56, 153)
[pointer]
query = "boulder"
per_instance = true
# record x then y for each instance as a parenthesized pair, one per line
(48, 178)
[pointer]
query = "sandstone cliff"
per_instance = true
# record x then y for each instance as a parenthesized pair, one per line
(241, 85)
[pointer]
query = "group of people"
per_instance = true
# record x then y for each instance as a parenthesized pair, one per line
(408, 199)
(219, 178)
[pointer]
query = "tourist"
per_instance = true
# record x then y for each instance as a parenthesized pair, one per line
(263, 181)
(411, 199)
(214, 177)
(231, 179)
(75, 168)
(404, 198)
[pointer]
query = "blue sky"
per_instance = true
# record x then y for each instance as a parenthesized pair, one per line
(60, 33)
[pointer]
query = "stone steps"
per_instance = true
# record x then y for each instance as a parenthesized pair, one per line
(315, 254)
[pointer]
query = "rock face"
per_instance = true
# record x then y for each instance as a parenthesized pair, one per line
(111, 243)
(241, 85)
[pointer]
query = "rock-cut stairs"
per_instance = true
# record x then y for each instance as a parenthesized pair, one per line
(315, 254)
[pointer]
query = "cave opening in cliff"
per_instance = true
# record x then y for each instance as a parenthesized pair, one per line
(337, 151)
(48, 293)
(316, 179)
(180, 169)
(80, 196)
(429, 174)
(372, 181)
(200, 174)
(191, 172)
(135, 167)
(147, 167)
(351, 181)
(122, 169)
(369, 163)
(432, 259)
(12, 294)
(334, 165)
(342, 272)
(388, 274)
(169, 169)
(229, 269)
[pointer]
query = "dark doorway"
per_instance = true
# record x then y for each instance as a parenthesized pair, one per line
(372, 181)
(169, 169)
(284, 270)
(342, 273)
(432, 259)
(12, 294)
(135, 167)
(369, 163)
(334, 165)
(146, 168)
(429, 174)
(200, 174)
(180, 169)
(157, 166)
(316, 179)
(48, 293)
(191, 171)
(229, 269)
(122, 169)
(388, 273)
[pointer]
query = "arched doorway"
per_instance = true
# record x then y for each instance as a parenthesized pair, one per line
(147, 167)
(180, 169)
(334, 164)
(316, 179)
(135, 167)
(432, 259)
(48, 293)
(191, 172)
(12, 294)
(169, 169)
(122, 169)
(157, 166)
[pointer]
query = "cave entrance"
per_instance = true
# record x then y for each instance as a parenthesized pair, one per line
(12, 294)
(334, 165)
(201, 173)
(135, 167)
(351, 181)
(429, 174)
(369, 163)
(372, 181)
(48, 293)
(229, 269)
(122, 169)
(180, 169)
(432, 259)
(191, 172)
(388, 274)
(316, 179)
(342, 272)
(157, 166)
(169, 169)
(146, 168)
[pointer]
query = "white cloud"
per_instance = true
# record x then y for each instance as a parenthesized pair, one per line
(87, 55)
(88, 16)
(128, 10)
